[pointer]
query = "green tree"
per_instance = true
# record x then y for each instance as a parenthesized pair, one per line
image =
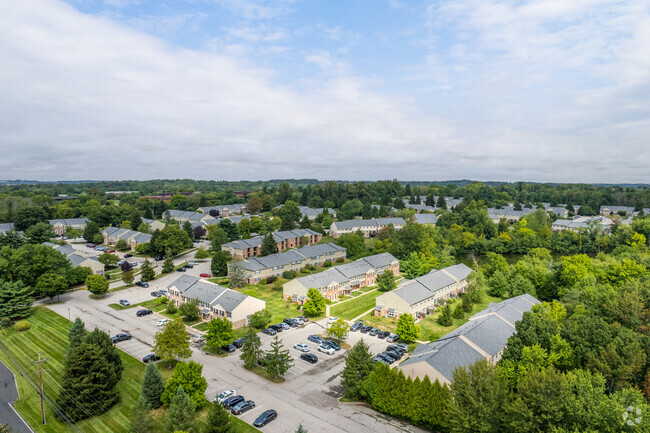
(254, 204)
(244, 227)
(172, 237)
(15, 300)
(108, 259)
(201, 254)
(152, 387)
(458, 311)
(351, 209)
(51, 285)
(219, 333)
(39, 233)
(147, 272)
(412, 267)
(277, 360)
(289, 215)
(189, 310)
(128, 277)
(386, 281)
(141, 419)
(98, 238)
(338, 329)
(301, 429)
(90, 231)
(187, 375)
(76, 333)
(217, 237)
(260, 319)
(168, 264)
(218, 420)
(219, 264)
(269, 245)
(230, 228)
(315, 305)
(97, 285)
(446, 317)
(121, 245)
(236, 276)
(28, 216)
(172, 342)
(406, 328)
(88, 385)
(353, 243)
(11, 238)
(181, 412)
(358, 365)
(251, 351)
(466, 304)
(498, 284)
(103, 344)
(187, 228)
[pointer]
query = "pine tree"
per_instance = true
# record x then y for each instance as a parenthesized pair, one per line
(152, 387)
(466, 304)
(218, 420)
(147, 273)
(88, 383)
(458, 311)
(168, 265)
(250, 351)
(430, 201)
(278, 361)
(269, 246)
(442, 203)
(180, 415)
(15, 300)
(76, 333)
(219, 265)
(446, 318)
(103, 343)
(236, 277)
(141, 419)
(301, 429)
(358, 365)
(187, 227)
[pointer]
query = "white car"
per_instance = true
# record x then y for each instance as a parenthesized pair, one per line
(198, 339)
(326, 349)
(301, 346)
(299, 320)
(224, 395)
(332, 320)
(193, 263)
(162, 322)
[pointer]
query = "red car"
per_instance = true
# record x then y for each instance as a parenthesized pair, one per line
(110, 251)
(204, 275)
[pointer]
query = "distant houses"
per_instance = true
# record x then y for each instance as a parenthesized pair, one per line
(343, 279)
(312, 213)
(112, 235)
(260, 268)
(215, 301)
(368, 227)
(78, 258)
(185, 215)
(584, 222)
(419, 297)
(425, 218)
(5, 227)
(59, 225)
(225, 209)
(245, 248)
(484, 336)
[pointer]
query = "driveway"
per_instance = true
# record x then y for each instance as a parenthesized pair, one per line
(9, 394)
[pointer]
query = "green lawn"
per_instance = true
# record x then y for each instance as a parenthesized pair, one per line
(356, 306)
(48, 335)
(274, 303)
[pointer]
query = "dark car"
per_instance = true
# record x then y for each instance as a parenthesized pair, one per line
(152, 357)
(242, 407)
(309, 357)
(291, 322)
(91, 245)
(238, 343)
(230, 348)
(304, 318)
(357, 325)
(141, 313)
(333, 344)
(374, 331)
(265, 417)
(156, 294)
(188, 266)
(388, 356)
(232, 401)
(181, 269)
(397, 348)
(383, 334)
(142, 284)
(365, 329)
(127, 255)
(120, 337)
(380, 359)
(277, 327)
(158, 258)
(315, 339)
(269, 331)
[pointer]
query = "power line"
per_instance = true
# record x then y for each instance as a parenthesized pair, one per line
(40, 376)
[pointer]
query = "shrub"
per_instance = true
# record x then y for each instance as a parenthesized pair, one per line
(327, 264)
(304, 270)
(252, 292)
(171, 309)
(270, 279)
(340, 260)
(277, 287)
(22, 325)
(450, 301)
(5, 322)
(164, 300)
(289, 274)
(311, 267)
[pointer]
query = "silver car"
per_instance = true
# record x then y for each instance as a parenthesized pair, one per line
(301, 346)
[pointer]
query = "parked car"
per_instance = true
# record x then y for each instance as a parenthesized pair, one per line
(230, 348)
(277, 327)
(193, 263)
(196, 339)
(301, 346)
(162, 322)
(395, 347)
(164, 292)
(380, 359)
(387, 358)
(299, 321)
(305, 319)
(374, 331)
(91, 245)
(242, 407)
(365, 329)
(181, 269)
(265, 417)
(269, 331)
(142, 284)
(291, 322)
(224, 395)
(134, 264)
(124, 303)
(189, 266)
(156, 294)
(152, 357)
(127, 255)
(332, 320)
(333, 344)
(326, 349)
(238, 343)
(285, 326)
(383, 334)
(205, 275)
(356, 326)
(120, 337)
(392, 338)
(158, 258)
(141, 313)
(395, 353)
(309, 357)
(233, 400)
(315, 339)
(110, 251)
(404, 346)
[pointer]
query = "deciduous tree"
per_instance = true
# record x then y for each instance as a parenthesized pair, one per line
(187, 375)
(386, 281)
(97, 285)
(339, 329)
(51, 285)
(39, 233)
(406, 327)
(172, 342)
(219, 333)
(315, 305)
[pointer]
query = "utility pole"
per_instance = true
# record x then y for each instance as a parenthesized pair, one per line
(40, 375)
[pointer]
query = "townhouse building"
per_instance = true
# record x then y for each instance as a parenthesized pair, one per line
(369, 227)
(214, 301)
(582, 223)
(425, 218)
(343, 279)
(79, 258)
(257, 269)
(420, 297)
(59, 225)
(114, 234)
(244, 248)
(225, 209)
(185, 215)
(153, 224)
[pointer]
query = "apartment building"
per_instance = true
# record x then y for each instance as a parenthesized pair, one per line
(59, 225)
(225, 209)
(244, 248)
(78, 258)
(114, 234)
(369, 227)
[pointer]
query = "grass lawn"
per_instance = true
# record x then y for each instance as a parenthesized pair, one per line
(48, 335)
(356, 306)
(274, 303)
(260, 371)
(203, 326)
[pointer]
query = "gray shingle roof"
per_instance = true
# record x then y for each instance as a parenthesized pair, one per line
(425, 218)
(374, 222)
(286, 257)
(278, 236)
(209, 293)
(5, 227)
(70, 221)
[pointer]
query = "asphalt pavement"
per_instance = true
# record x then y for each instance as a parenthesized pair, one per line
(9, 394)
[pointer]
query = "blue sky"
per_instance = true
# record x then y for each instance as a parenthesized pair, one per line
(544, 90)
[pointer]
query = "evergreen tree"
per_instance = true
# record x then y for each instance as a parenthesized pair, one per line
(76, 333)
(251, 351)
(141, 419)
(88, 383)
(217, 237)
(301, 429)
(187, 227)
(219, 265)
(430, 201)
(147, 273)
(230, 228)
(236, 277)
(269, 245)
(446, 318)
(458, 311)
(305, 223)
(168, 265)
(15, 300)
(105, 346)
(181, 412)
(152, 387)
(406, 328)
(442, 203)
(218, 420)
(466, 304)
(358, 365)
(278, 361)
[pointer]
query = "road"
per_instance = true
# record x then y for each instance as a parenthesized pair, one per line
(9, 394)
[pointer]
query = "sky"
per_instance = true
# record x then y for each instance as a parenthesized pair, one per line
(543, 91)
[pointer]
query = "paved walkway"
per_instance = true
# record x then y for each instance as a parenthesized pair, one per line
(9, 394)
